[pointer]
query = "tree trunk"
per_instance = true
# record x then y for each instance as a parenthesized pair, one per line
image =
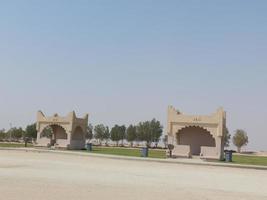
(239, 149)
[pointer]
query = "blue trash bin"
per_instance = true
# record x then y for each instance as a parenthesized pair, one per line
(228, 156)
(89, 146)
(144, 152)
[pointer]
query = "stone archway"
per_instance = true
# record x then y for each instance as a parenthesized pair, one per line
(55, 133)
(195, 137)
(68, 131)
(206, 134)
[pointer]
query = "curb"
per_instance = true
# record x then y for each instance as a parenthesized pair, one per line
(155, 160)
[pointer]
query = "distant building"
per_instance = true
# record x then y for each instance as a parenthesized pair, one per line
(66, 132)
(196, 135)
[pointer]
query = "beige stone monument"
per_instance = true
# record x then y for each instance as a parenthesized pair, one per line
(196, 135)
(67, 132)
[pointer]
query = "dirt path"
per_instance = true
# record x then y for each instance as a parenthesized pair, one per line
(46, 176)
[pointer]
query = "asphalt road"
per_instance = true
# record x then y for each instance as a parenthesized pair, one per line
(45, 176)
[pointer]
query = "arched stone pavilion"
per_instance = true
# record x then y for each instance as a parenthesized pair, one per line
(67, 132)
(196, 135)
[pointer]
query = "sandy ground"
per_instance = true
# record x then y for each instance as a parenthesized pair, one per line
(45, 176)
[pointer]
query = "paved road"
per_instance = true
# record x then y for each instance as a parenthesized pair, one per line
(45, 176)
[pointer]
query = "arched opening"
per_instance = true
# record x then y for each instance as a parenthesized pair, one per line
(78, 134)
(54, 132)
(195, 137)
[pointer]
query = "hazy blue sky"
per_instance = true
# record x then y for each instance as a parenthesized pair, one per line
(126, 61)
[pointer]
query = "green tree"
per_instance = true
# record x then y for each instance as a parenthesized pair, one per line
(16, 133)
(30, 131)
(122, 134)
(115, 134)
(149, 131)
(226, 137)
(131, 134)
(139, 133)
(240, 139)
(89, 132)
(99, 132)
(156, 131)
(143, 132)
(106, 135)
(2, 134)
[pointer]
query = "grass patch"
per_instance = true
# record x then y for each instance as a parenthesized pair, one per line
(14, 145)
(120, 151)
(250, 160)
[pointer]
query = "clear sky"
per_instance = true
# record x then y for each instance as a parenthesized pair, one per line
(126, 61)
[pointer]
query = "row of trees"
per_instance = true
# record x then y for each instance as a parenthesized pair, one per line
(15, 134)
(239, 139)
(148, 131)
